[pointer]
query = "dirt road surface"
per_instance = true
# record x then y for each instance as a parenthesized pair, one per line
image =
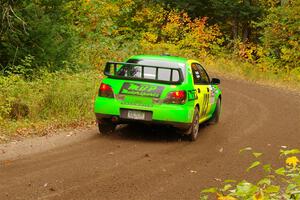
(143, 163)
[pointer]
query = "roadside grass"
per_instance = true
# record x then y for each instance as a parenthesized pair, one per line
(259, 73)
(52, 101)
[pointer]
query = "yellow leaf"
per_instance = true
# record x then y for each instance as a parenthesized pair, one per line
(293, 161)
(227, 197)
(258, 196)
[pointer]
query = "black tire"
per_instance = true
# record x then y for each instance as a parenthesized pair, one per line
(106, 127)
(194, 128)
(216, 115)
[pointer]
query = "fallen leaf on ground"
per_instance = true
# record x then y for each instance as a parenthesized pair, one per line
(7, 162)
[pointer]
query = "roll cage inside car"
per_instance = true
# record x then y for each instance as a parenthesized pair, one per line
(133, 71)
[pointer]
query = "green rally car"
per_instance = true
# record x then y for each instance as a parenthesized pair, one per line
(160, 90)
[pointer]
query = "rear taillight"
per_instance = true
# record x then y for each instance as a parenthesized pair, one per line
(106, 91)
(177, 97)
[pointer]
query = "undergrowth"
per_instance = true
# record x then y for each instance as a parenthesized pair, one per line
(52, 100)
(281, 183)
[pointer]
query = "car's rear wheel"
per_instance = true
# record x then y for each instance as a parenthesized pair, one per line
(106, 126)
(194, 128)
(216, 115)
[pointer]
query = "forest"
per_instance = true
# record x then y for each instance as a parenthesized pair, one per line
(52, 51)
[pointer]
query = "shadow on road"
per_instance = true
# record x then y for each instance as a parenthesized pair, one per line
(151, 133)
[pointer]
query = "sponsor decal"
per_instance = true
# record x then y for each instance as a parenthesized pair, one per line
(145, 90)
(204, 105)
(212, 94)
(192, 95)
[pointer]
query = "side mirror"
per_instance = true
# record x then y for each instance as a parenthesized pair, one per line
(215, 81)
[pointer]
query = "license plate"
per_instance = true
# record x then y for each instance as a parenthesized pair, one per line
(135, 114)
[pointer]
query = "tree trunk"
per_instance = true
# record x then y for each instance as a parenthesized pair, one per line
(235, 29)
(246, 31)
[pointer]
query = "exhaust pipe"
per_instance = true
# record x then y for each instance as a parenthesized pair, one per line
(114, 119)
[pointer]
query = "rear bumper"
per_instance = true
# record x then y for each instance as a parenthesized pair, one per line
(176, 115)
(118, 120)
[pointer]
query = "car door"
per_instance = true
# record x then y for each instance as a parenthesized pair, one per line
(205, 83)
(202, 90)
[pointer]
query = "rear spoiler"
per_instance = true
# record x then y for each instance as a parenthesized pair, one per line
(112, 70)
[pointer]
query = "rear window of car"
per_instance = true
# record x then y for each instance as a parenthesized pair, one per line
(150, 73)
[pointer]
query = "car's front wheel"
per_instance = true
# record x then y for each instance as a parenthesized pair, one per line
(106, 126)
(194, 128)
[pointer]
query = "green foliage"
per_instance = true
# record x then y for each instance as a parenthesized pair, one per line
(37, 29)
(280, 36)
(282, 183)
(233, 16)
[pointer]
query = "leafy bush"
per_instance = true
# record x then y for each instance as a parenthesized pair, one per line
(277, 184)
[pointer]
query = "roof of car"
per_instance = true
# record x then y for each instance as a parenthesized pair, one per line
(160, 57)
